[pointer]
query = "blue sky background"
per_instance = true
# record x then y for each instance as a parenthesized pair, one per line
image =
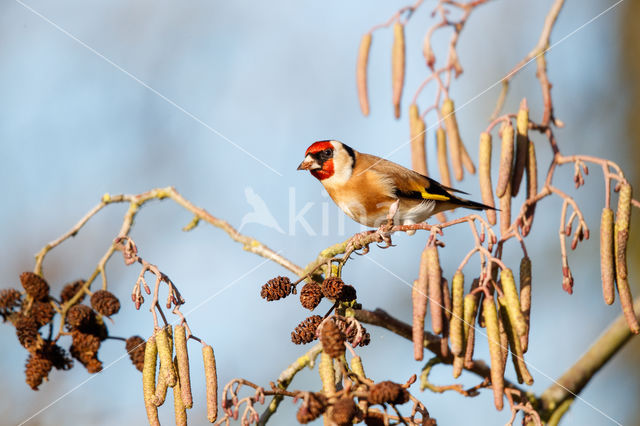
(273, 77)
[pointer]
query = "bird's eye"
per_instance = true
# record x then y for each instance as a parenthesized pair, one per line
(327, 152)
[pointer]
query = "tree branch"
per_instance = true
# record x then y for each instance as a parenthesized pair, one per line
(560, 395)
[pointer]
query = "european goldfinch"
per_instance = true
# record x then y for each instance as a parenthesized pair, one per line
(371, 190)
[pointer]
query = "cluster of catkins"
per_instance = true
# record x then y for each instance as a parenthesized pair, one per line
(34, 308)
(311, 294)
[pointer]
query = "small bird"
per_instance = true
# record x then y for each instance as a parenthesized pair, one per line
(372, 190)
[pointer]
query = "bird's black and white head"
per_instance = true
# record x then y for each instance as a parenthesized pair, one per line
(329, 161)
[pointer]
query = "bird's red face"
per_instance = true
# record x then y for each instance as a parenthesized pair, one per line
(319, 160)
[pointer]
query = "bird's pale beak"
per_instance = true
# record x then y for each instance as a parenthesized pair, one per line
(309, 164)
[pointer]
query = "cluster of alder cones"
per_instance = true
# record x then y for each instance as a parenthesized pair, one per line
(350, 404)
(33, 308)
(311, 294)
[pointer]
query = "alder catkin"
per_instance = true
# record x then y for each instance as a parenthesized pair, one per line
(505, 211)
(211, 381)
(512, 302)
(621, 237)
(484, 175)
(532, 188)
(453, 137)
(607, 265)
(361, 73)
(182, 365)
(327, 373)
(470, 313)
(456, 331)
(443, 162)
(165, 352)
(397, 66)
(493, 337)
(434, 287)
(522, 147)
(525, 298)
(506, 159)
(418, 139)
(178, 403)
(419, 300)
(517, 355)
(149, 380)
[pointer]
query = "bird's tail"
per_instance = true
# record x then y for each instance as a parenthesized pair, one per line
(471, 204)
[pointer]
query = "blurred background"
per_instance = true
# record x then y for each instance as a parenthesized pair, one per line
(273, 77)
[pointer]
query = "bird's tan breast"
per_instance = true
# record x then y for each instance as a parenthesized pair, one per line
(365, 197)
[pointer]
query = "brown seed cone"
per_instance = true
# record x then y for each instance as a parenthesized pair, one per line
(310, 411)
(27, 332)
(276, 288)
(10, 299)
(348, 293)
(305, 332)
(332, 339)
(388, 392)
(105, 303)
(56, 355)
(374, 418)
(34, 285)
(361, 73)
(37, 369)
(80, 316)
(332, 287)
(42, 312)
(70, 290)
(89, 360)
(84, 342)
(311, 295)
(344, 411)
(352, 333)
(135, 347)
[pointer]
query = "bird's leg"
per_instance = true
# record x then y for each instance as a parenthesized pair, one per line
(382, 234)
(384, 231)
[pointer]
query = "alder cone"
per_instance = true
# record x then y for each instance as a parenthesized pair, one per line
(80, 315)
(388, 392)
(305, 332)
(105, 303)
(276, 288)
(332, 339)
(332, 287)
(9, 300)
(311, 295)
(135, 347)
(314, 409)
(70, 290)
(37, 369)
(42, 312)
(344, 411)
(34, 285)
